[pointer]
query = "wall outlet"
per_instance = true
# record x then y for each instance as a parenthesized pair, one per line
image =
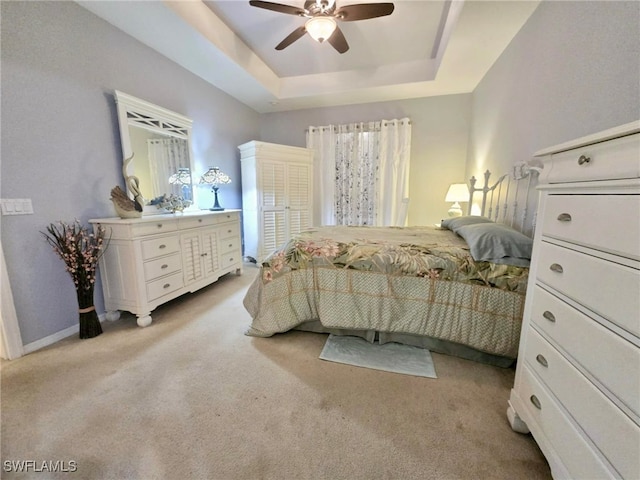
(16, 206)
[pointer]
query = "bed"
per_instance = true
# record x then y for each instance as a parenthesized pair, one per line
(457, 289)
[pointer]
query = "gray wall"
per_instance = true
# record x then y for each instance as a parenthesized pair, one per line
(60, 140)
(572, 70)
(439, 135)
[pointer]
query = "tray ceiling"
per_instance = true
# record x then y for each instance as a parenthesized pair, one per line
(423, 48)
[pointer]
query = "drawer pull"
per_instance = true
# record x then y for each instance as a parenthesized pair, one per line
(564, 217)
(162, 246)
(231, 259)
(204, 254)
(583, 159)
(230, 245)
(164, 266)
(229, 231)
(556, 267)
(199, 220)
(549, 316)
(166, 285)
(541, 360)
(536, 402)
(159, 225)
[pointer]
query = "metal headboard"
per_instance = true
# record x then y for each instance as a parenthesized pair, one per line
(507, 200)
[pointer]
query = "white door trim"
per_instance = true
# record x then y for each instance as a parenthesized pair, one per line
(11, 341)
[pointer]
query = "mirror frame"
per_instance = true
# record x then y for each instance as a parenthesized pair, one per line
(135, 112)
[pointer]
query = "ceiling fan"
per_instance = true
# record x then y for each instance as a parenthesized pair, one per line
(322, 15)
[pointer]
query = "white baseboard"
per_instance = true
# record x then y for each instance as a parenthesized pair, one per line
(56, 337)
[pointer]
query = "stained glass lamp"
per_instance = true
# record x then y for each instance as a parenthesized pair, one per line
(214, 177)
(182, 178)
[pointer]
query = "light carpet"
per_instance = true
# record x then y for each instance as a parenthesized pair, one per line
(191, 397)
(389, 357)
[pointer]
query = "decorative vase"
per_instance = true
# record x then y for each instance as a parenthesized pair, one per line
(88, 317)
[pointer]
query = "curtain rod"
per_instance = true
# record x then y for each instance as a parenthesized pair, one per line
(357, 125)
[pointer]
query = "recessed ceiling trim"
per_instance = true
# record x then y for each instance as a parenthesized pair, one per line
(200, 17)
(450, 14)
(400, 74)
(443, 22)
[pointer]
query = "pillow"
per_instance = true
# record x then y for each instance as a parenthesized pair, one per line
(456, 222)
(496, 243)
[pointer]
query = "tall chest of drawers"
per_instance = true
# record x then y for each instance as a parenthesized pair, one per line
(577, 386)
(154, 259)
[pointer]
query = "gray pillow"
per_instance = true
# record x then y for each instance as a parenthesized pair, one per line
(456, 222)
(496, 243)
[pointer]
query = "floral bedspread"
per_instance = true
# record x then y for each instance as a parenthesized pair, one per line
(413, 280)
(415, 251)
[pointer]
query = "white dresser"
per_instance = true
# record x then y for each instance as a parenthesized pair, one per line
(577, 386)
(154, 259)
(277, 195)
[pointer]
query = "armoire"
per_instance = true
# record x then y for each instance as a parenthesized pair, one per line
(277, 195)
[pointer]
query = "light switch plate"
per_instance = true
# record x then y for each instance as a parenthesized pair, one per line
(16, 206)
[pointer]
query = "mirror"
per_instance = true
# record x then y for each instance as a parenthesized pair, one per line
(156, 149)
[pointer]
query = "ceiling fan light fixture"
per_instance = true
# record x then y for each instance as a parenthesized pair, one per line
(320, 28)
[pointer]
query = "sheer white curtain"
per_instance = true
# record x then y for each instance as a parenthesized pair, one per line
(395, 153)
(166, 155)
(362, 172)
(324, 141)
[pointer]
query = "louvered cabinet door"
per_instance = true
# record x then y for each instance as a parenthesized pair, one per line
(273, 206)
(273, 185)
(209, 256)
(199, 254)
(192, 250)
(299, 190)
(274, 231)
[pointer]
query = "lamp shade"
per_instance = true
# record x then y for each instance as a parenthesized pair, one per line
(458, 192)
(214, 176)
(181, 177)
(320, 28)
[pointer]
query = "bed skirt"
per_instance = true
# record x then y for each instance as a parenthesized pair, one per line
(432, 344)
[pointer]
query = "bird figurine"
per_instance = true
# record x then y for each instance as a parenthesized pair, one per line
(133, 183)
(125, 207)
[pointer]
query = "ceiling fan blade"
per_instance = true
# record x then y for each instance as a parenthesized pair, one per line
(338, 41)
(292, 37)
(363, 11)
(277, 7)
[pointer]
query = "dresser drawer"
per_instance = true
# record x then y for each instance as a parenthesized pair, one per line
(614, 361)
(228, 217)
(154, 227)
(230, 244)
(573, 450)
(230, 258)
(611, 160)
(116, 231)
(231, 230)
(195, 222)
(164, 285)
(613, 432)
(605, 222)
(160, 246)
(162, 266)
(607, 288)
